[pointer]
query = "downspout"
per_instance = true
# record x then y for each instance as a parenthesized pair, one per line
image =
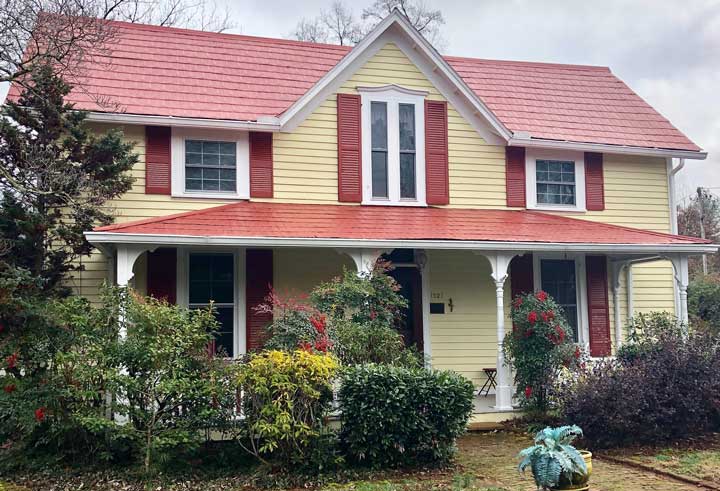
(672, 171)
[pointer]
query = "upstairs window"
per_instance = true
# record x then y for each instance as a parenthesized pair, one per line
(210, 166)
(555, 180)
(210, 163)
(393, 146)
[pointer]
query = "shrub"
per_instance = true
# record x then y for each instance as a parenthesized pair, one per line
(704, 302)
(664, 387)
(356, 344)
(286, 397)
(296, 324)
(393, 416)
(538, 347)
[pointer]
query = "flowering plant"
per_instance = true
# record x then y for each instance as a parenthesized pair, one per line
(538, 347)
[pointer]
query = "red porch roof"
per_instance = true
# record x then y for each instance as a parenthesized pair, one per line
(163, 71)
(249, 219)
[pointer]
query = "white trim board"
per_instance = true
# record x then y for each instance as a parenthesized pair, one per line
(98, 238)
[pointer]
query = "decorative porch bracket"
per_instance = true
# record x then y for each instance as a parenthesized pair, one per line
(499, 263)
(124, 262)
(364, 259)
(680, 268)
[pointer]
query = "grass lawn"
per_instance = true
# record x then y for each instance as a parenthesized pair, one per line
(485, 462)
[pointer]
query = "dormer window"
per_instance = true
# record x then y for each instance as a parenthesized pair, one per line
(393, 146)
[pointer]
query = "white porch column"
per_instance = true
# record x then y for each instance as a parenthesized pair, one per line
(499, 263)
(616, 271)
(124, 262)
(680, 267)
(364, 259)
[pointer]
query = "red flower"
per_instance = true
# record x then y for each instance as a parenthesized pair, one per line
(517, 302)
(318, 323)
(548, 315)
(11, 360)
(528, 392)
(577, 353)
(40, 414)
(532, 317)
(560, 332)
(373, 315)
(305, 346)
(541, 295)
(323, 345)
(9, 388)
(529, 332)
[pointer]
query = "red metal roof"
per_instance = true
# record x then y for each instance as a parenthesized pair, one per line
(178, 72)
(289, 220)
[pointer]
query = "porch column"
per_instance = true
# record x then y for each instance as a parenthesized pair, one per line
(364, 259)
(616, 271)
(680, 267)
(499, 262)
(124, 261)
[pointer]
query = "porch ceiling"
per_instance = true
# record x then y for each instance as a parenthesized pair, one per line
(285, 224)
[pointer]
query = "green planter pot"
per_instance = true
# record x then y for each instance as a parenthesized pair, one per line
(578, 482)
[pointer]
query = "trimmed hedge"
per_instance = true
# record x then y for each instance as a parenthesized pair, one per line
(394, 416)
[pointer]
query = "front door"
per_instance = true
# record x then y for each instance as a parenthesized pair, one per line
(410, 325)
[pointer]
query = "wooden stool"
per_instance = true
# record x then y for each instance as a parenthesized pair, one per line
(490, 373)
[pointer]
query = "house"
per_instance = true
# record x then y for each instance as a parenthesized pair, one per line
(274, 162)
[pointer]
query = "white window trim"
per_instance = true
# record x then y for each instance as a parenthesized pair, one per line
(532, 155)
(183, 289)
(242, 170)
(393, 95)
(580, 289)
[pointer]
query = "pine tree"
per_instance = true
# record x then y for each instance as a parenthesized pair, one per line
(56, 177)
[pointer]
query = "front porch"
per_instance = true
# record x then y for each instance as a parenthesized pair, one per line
(461, 296)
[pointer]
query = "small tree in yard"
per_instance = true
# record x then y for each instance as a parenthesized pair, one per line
(55, 180)
(538, 347)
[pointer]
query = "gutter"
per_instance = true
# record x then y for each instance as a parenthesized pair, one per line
(672, 195)
(263, 124)
(97, 238)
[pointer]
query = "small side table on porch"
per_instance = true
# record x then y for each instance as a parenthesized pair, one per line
(490, 373)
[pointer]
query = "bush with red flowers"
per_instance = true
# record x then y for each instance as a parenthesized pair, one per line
(538, 347)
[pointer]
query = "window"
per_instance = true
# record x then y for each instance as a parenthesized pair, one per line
(555, 180)
(210, 166)
(210, 163)
(394, 153)
(211, 278)
(558, 279)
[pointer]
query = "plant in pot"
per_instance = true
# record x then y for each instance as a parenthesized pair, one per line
(555, 463)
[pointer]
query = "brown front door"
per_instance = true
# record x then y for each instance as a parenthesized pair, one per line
(410, 326)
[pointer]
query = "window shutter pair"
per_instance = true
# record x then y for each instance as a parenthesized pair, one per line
(158, 162)
(515, 179)
(349, 134)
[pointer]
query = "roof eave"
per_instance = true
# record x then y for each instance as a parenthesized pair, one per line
(107, 238)
(269, 123)
(607, 148)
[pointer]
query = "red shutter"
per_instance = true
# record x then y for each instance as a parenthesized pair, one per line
(157, 160)
(598, 313)
(436, 153)
(258, 282)
(515, 176)
(261, 165)
(594, 182)
(521, 275)
(349, 148)
(162, 274)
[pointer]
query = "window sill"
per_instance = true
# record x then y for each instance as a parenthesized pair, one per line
(387, 202)
(209, 195)
(564, 209)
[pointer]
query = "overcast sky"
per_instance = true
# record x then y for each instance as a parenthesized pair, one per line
(668, 51)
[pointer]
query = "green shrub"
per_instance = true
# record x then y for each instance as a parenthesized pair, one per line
(704, 302)
(356, 344)
(538, 347)
(286, 398)
(393, 416)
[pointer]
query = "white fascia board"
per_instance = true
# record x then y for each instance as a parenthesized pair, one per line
(97, 238)
(265, 124)
(394, 28)
(598, 147)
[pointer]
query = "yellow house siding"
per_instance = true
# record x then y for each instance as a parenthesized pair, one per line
(298, 271)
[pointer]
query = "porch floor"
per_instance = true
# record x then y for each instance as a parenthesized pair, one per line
(485, 404)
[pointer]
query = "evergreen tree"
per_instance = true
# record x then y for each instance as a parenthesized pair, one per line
(56, 177)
